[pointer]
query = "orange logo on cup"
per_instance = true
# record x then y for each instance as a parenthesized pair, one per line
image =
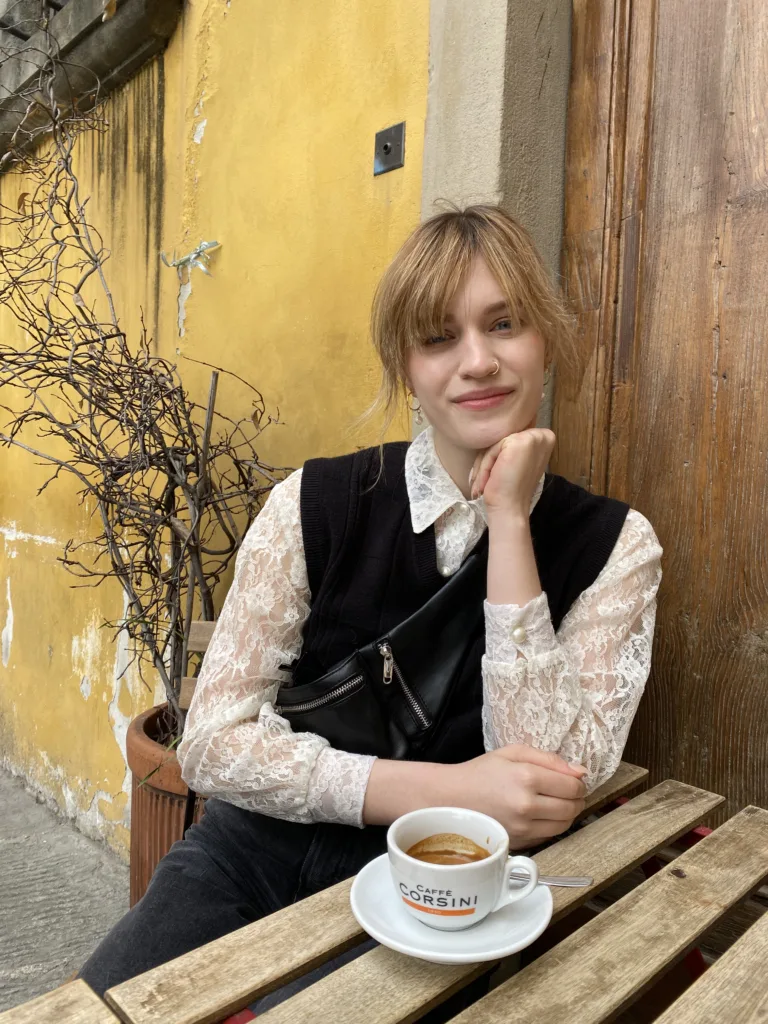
(437, 910)
(438, 901)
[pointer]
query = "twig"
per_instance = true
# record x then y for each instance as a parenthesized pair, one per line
(173, 485)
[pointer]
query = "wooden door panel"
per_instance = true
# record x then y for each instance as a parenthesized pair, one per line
(680, 429)
(585, 239)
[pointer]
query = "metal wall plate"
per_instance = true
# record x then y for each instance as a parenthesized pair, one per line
(389, 152)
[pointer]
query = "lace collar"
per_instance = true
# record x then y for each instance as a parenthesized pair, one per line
(431, 491)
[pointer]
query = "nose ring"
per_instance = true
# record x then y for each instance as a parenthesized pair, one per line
(498, 367)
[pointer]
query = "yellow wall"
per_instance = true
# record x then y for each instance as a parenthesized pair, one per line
(256, 129)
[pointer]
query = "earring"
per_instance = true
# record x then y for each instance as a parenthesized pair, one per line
(415, 409)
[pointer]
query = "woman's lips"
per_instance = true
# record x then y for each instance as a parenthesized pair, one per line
(489, 402)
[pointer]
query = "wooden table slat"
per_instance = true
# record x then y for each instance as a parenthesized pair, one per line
(626, 777)
(735, 988)
(238, 968)
(232, 971)
(74, 1003)
(599, 970)
(383, 987)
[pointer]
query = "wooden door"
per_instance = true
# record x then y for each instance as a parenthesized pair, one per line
(666, 260)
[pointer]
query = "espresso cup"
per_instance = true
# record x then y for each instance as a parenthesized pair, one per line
(451, 897)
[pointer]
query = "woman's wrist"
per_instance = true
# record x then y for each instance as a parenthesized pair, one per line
(502, 521)
(513, 577)
(397, 787)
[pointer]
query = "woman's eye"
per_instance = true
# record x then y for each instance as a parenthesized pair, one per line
(436, 340)
(502, 325)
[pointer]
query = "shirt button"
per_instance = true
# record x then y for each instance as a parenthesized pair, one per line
(446, 571)
(519, 635)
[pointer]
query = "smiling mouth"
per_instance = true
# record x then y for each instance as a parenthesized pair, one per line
(483, 401)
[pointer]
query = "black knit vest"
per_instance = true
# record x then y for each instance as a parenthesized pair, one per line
(369, 571)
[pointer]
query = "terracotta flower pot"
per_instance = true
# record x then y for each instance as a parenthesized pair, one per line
(157, 807)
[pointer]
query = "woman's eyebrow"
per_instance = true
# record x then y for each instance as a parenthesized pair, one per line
(495, 307)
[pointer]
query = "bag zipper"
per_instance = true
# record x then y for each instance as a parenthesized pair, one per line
(391, 669)
(318, 702)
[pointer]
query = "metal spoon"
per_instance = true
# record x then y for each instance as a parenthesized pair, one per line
(570, 881)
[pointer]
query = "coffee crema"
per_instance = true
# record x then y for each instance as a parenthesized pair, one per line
(447, 848)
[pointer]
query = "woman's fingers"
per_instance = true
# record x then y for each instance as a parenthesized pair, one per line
(483, 469)
(556, 784)
(526, 754)
(474, 471)
(536, 832)
(550, 808)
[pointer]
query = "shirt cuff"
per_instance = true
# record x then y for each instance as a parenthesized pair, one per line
(513, 630)
(337, 785)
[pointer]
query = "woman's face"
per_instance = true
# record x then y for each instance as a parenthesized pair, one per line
(470, 406)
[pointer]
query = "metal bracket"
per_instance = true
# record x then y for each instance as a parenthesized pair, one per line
(389, 151)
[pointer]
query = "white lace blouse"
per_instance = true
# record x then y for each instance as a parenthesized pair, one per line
(574, 692)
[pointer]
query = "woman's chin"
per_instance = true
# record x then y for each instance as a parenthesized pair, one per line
(480, 436)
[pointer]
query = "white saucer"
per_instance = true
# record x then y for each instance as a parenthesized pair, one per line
(380, 913)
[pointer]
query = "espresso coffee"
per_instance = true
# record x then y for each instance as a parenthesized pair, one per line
(447, 848)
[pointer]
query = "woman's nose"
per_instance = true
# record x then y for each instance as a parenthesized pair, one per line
(477, 358)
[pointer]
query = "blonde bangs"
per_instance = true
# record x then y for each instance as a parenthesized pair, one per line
(412, 298)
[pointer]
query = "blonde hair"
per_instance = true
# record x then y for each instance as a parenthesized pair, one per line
(412, 297)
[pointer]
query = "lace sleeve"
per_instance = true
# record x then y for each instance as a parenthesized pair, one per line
(576, 692)
(235, 745)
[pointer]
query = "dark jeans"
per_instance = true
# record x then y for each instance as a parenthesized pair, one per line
(233, 868)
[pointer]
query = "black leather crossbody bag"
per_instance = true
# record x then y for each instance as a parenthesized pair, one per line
(387, 698)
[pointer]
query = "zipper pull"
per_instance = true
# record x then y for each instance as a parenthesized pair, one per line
(389, 662)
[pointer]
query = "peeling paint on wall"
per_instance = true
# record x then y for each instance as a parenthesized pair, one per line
(7, 634)
(185, 290)
(86, 654)
(99, 811)
(117, 719)
(200, 131)
(90, 819)
(11, 535)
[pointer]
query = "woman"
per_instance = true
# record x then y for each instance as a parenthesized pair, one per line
(466, 321)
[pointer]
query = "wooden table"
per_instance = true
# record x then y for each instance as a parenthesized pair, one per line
(590, 976)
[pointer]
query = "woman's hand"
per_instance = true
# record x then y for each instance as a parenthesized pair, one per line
(507, 473)
(534, 794)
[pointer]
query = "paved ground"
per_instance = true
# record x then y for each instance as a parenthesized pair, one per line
(59, 894)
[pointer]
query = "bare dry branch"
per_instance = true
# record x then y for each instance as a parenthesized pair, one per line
(175, 483)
